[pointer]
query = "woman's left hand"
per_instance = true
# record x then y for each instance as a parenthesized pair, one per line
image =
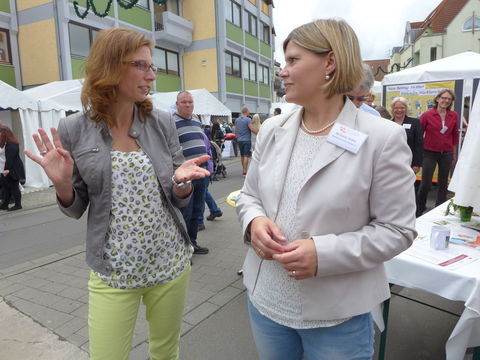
(299, 259)
(190, 169)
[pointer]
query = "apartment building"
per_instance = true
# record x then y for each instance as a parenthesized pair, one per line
(225, 46)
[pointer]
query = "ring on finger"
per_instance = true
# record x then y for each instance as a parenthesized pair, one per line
(43, 152)
(293, 274)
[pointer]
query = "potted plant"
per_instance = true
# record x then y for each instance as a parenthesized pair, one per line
(465, 211)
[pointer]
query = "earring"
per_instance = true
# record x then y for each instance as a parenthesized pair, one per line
(327, 77)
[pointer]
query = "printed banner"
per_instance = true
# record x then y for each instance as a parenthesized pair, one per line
(420, 95)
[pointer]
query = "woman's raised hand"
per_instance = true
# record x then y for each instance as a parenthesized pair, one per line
(190, 169)
(54, 159)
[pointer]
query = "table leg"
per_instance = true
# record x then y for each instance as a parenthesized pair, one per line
(383, 336)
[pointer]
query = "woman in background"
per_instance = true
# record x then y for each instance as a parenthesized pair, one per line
(440, 127)
(13, 170)
(399, 107)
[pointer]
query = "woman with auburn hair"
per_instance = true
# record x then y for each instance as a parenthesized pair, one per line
(122, 160)
(413, 129)
(440, 130)
(327, 200)
(13, 170)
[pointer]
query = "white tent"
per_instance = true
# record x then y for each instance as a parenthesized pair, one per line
(206, 105)
(58, 95)
(461, 66)
(12, 98)
(465, 181)
(464, 66)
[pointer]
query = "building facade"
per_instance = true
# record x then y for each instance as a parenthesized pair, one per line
(224, 46)
(451, 28)
(9, 59)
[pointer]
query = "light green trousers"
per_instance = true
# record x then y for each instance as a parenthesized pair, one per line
(112, 315)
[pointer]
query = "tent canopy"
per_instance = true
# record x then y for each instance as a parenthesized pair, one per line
(205, 103)
(58, 95)
(465, 65)
(14, 99)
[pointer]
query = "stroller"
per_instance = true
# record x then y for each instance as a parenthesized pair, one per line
(218, 167)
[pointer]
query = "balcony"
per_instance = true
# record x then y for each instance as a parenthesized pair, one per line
(173, 28)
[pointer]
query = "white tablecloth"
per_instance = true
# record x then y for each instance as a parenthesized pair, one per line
(228, 149)
(462, 284)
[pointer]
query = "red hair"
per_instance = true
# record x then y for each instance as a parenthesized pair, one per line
(104, 68)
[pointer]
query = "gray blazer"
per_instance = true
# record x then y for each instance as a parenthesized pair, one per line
(90, 145)
(359, 210)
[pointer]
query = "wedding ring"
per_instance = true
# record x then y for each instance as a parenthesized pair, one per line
(43, 152)
(294, 274)
(260, 252)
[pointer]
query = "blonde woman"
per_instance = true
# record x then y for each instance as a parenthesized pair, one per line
(256, 124)
(400, 108)
(321, 217)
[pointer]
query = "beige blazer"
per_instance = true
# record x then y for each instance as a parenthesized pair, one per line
(359, 209)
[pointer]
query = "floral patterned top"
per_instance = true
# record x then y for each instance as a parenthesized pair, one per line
(143, 244)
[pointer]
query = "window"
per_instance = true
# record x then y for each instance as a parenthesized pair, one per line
(232, 12)
(265, 35)
(81, 38)
(472, 23)
(250, 70)
(251, 24)
(232, 65)
(433, 54)
(263, 74)
(166, 60)
(159, 9)
(4, 47)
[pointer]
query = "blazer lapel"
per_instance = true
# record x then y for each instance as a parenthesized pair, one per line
(284, 140)
(329, 151)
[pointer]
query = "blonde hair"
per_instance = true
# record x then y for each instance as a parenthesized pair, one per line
(256, 121)
(439, 95)
(325, 35)
(401, 99)
(103, 70)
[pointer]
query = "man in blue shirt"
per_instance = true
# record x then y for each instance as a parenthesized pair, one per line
(243, 132)
(190, 135)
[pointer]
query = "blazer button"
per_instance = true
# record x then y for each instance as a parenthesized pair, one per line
(305, 235)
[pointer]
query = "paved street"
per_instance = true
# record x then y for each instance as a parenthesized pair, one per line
(51, 290)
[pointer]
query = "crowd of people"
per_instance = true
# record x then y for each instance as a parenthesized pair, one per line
(328, 195)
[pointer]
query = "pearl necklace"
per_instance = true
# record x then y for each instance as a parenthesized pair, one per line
(312, 132)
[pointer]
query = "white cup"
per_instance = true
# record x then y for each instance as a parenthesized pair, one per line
(440, 237)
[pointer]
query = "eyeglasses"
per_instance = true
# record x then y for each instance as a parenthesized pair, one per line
(399, 108)
(142, 65)
(446, 98)
(357, 98)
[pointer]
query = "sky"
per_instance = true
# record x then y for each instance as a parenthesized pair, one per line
(379, 24)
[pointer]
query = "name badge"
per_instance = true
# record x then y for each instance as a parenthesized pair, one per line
(444, 129)
(346, 138)
(407, 126)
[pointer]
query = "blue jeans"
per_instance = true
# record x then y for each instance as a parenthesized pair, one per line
(212, 205)
(352, 340)
(195, 207)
